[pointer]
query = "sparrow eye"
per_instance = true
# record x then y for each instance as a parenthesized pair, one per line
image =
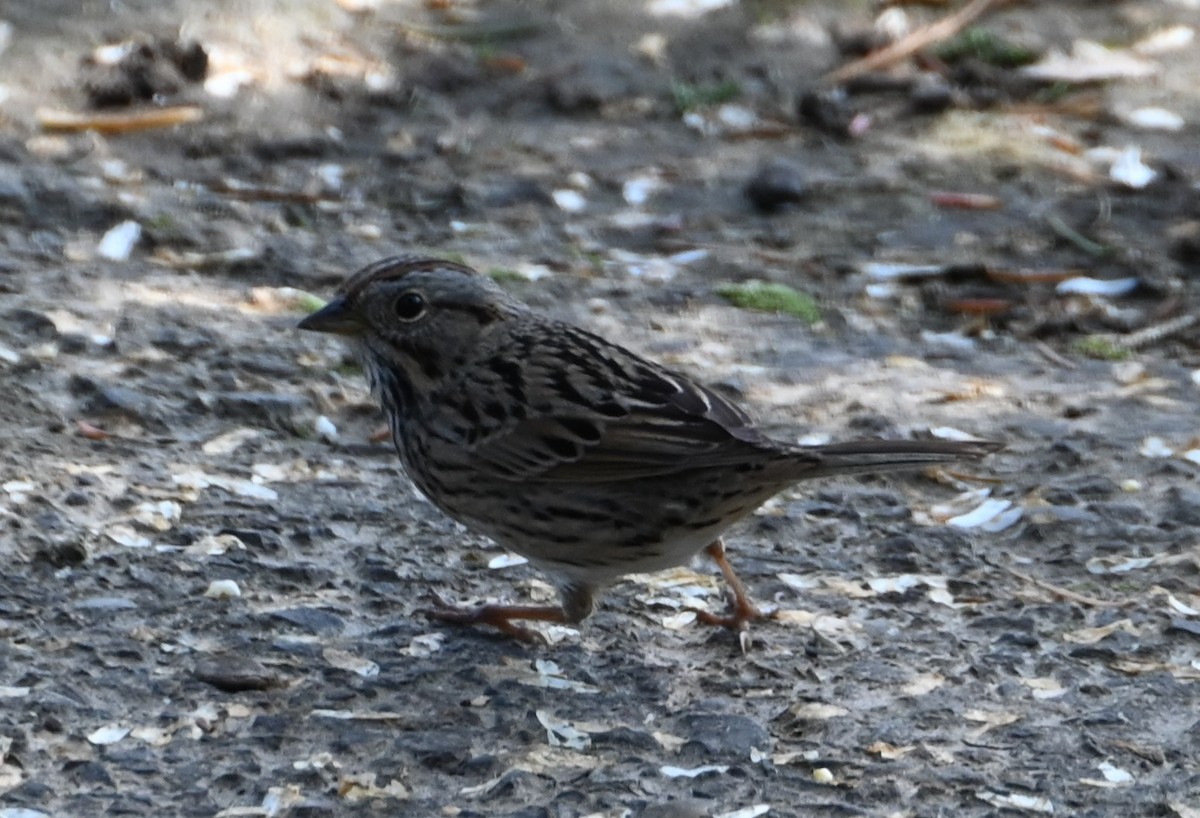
(409, 306)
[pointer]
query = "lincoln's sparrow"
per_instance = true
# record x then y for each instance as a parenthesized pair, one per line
(578, 454)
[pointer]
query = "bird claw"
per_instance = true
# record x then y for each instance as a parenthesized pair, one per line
(737, 620)
(499, 617)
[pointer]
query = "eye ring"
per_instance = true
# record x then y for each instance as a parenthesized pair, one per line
(409, 306)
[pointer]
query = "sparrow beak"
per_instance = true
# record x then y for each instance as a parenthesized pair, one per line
(336, 317)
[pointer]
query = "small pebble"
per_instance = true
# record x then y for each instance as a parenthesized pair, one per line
(637, 191)
(737, 118)
(326, 430)
(233, 674)
(118, 243)
(570, 201)
(776, 184)
(1128, 372)
(822, 775)
(1131, 486)
(1155, 447)
(931, 94)
(826, 110)
(332, 176)
(370, 232)
(223, 589)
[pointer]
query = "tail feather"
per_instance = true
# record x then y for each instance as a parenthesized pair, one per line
(868, 456)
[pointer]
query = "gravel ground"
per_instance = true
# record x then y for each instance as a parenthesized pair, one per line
(162, 435)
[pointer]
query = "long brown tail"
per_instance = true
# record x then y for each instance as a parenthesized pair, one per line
(867, 456)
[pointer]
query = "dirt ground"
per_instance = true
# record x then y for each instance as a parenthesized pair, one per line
(161, 417)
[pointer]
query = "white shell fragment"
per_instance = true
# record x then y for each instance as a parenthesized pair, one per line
(746, 812)
(1083, 285)
(1155, 119)
(1154, 446)
(570, 201)
(243, 488)
(326, 430)
(639, 189)
(1017, 801)
(1166, 40)
(18, 490)
(737, 118)
(688, 9)
(1129, 170)
(889, 271)
(1113, 777)
(109, 734)
(117, 244)
(822, 775)
(950, 433)
(425, 644)
(1091, 62)
(226, 84)
(693, 772)
(545, 674)
(112, 53)
(985, 512)
(1114, 774)
(1180, 607)
(560, 733)
(950, 340)
(506, 560)
(223, 589)
(161, 515)
(126, 536)
(1003, 520)
(678, 621)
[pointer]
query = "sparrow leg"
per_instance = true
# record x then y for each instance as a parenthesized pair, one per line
(743, 611)
(577, 604)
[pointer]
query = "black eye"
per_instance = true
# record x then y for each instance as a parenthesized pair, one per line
(409, 307)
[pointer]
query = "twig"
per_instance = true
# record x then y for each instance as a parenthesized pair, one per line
(1059, 591)
(254, 193)
(1053, 357)
(1153, 334)
(1076, 238)
(123, 122)
(914, 42)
